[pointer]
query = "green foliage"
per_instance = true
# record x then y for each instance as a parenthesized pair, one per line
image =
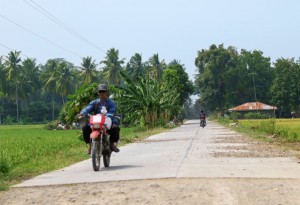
(51, 125)
(156, 67)
(256, 115)
(112, 67)
(135, 67)
(213, 65)
(4, 166)
(9, 120)
(178, 79)
(147, 101)
(88, 72)
(268, 126)
(224, 120)
(285, 92)
(77, 102)
(235, 115)
(227, 78)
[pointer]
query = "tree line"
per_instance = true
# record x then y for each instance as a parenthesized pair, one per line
(227, 78)
(147, 92)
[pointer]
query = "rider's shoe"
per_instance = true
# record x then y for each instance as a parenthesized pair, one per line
(114, 147)
(88, 151)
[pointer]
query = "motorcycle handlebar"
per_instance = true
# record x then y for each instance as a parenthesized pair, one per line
(81, 116)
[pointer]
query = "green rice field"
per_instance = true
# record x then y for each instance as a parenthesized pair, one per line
(287, 129)
(30, 150)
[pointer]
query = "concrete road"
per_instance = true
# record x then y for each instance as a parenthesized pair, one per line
(186, 151)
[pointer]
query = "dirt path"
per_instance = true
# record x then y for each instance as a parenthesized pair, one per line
(221, 191)
(177, 190)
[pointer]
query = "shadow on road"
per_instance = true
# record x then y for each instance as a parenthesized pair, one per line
(118, 167)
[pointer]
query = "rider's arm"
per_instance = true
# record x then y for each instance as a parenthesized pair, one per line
(111, 110)
(111, 107)
(88, 109)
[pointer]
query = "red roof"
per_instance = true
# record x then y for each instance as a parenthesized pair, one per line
(253, 106)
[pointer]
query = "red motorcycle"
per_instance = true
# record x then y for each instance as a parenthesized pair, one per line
(100, 143)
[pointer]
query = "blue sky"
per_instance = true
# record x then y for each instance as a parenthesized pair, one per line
(175, 29)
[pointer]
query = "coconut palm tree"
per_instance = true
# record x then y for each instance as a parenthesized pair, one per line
(58, 78)
(13, 66)
(30, 74)
(2, 77)
(2, 84)
(88, 71)
(32, 70)
(65, 79)
(135, 67)
(112, 67)
(156, 67)
(49, 78)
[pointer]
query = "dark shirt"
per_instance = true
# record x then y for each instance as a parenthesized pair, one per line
(202, 115)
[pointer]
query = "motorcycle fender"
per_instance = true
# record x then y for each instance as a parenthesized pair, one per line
(94, 134)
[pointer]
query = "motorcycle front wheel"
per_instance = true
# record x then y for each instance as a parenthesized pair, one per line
(106, 159)
(202, 124)
(96, 155)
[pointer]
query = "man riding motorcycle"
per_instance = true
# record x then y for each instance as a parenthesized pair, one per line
(96, 105)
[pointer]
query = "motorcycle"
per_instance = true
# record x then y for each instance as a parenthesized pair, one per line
(202, 123)
(100, 143)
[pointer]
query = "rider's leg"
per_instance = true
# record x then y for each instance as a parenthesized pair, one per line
(86, 131)
(114, 137)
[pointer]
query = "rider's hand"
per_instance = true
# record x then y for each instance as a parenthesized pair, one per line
(79, 116)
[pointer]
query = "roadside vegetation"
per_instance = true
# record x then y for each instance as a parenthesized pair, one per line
(285, 129)
(30, 150)
(282, 132)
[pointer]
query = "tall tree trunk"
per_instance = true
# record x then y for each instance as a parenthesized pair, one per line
(52, 107)
(17, 104)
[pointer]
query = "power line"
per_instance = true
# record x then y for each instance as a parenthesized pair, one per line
(20, 53)
(60, 23)
(29, 31)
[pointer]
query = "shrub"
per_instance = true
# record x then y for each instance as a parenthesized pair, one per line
(235, 115)
(268, 126)
(293, 137)
(8, 120)
(4, 166)
(224, 120)
(51, 125)
(282, 133)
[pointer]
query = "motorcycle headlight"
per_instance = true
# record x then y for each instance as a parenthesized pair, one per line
(96, 126)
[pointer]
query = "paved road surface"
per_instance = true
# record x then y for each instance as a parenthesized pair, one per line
(186, 151)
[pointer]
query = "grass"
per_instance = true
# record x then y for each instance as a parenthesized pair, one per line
(30, 150)
(286, 129)
(284, 133)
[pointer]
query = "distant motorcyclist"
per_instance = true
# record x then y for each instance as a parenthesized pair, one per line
(202, 117)
(180, 118)
(175, 120)
(96, 105)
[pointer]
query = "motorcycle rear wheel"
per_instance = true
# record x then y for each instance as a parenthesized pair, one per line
(96, 155)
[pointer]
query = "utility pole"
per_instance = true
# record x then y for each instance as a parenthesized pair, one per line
(254, 87)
